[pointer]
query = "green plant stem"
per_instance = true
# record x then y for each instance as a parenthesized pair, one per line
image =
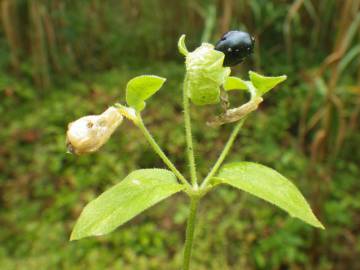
(160, 152)
(224, 153)
(189, 141)
(190, 229)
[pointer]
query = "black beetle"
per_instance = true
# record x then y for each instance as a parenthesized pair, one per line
(236, 45)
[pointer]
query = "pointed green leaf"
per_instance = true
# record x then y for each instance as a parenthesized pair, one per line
(263, 83)
(140, 190)
(182, 46)
(141, 88)
(269, 185)
(234, 83)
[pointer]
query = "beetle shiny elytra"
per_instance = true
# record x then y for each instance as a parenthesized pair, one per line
(236, 45)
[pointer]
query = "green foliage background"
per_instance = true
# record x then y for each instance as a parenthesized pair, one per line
(60, 60)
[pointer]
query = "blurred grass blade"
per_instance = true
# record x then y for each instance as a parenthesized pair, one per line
(209, 19)
(140, 190)
(350, 56)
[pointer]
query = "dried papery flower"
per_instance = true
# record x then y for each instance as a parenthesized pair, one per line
(235, 114)
(89, 133)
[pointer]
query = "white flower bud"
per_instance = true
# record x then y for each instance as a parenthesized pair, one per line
(89, 133)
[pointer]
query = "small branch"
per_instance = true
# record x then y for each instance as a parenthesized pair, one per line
(224, 153)
(160, 152)
(188, 134)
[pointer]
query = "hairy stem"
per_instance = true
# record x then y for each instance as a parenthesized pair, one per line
(189, 141)
(160, 152)
(190, 228)
(224, 153)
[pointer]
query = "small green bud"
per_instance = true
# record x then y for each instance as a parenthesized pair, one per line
(89, 133)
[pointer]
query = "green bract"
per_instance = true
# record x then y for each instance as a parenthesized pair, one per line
(234, 83)
(182, 46)
(257, 86)
(264, 84)
(141, 88)
(205, 74)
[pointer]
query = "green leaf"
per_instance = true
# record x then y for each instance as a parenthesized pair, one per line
(182, 46)
(140, 190)
(234, 83)
(269, 185)
(263, 83)
(141, 88)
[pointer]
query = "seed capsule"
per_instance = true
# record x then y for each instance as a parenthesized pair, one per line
(205, 74)
(236, 45)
